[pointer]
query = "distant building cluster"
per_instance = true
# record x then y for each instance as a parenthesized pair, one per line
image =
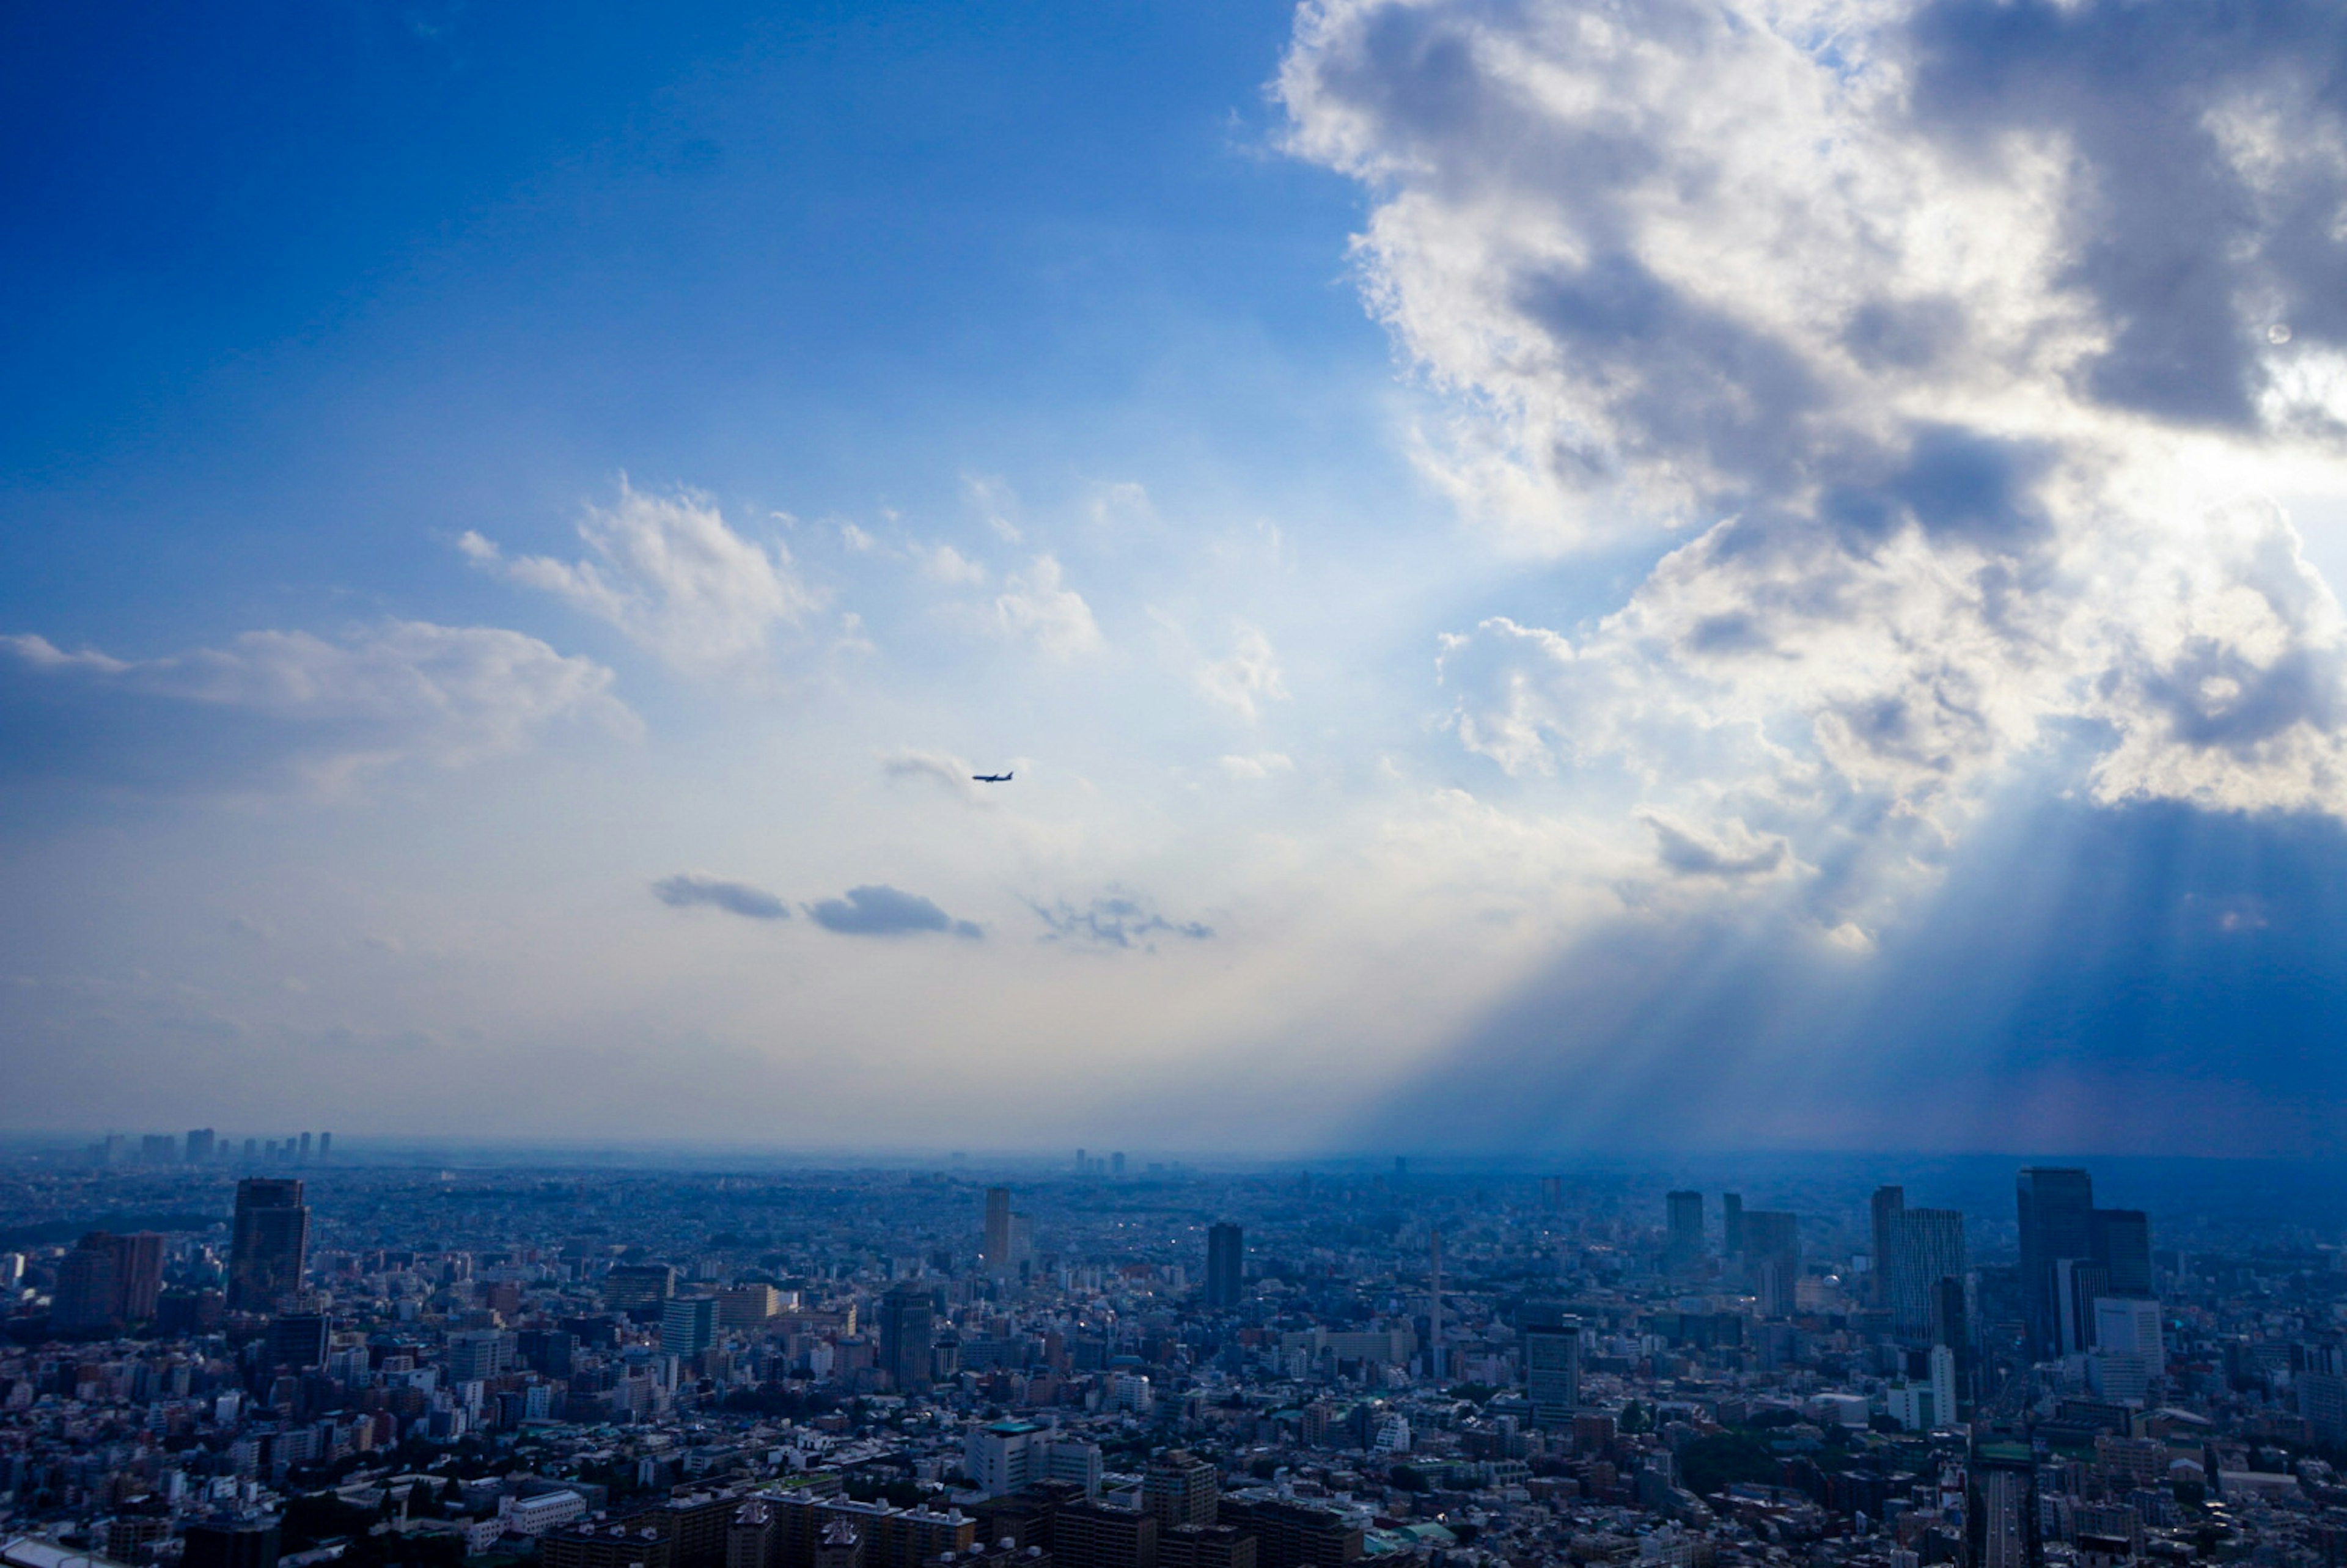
(203, 1147)
(245, 1368)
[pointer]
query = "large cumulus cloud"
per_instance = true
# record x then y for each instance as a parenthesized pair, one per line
(1944, 347)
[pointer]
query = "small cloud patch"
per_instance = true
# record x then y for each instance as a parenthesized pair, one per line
(1691, 855)
(1115, 921)
(692, 888)
(878, 910)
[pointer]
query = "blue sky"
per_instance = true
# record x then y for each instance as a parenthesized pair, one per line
(1542, 579)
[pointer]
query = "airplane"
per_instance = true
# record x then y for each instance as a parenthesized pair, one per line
(990, 778)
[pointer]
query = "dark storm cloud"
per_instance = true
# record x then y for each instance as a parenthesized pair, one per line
(878, 910)
(2188, 261)
(1687, 379)
(690, 889)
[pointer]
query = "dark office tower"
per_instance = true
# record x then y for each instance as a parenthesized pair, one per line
(640, 1290)
(305, 1148)
(251, 1150)
(1684, 1214)
(1927, 1245)
(297, 1341)
(269, 1245)
(230, 1544)
(1731, 1224)
(1096, 1535)
(200, 1146)
(907, 1333)
(1180, 1488)
(1550, 1342)
(2078, 1283)
(1551, 1191)
(84, 1297)
(996, 1242)
(1772, 1259)
(137, 1274)
(1293, 1534)
(325, 1147)
(1226, 1266)
(1951, 1325)
(2122, 1244)
(1116, 1164)
(1888, 1204)
(2056, 1206)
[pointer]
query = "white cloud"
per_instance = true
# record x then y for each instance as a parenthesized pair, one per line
(1036, 603)
(669, 573)
(404, 690)
(1857, 298)
(1120, 505)
(943, 563)
(1248, 677)
(1261, 765)
(993, 500)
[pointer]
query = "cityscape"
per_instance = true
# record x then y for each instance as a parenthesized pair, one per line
(281, 1355)
(1174, 784)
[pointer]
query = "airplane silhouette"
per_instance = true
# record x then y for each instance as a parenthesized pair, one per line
(990, 778)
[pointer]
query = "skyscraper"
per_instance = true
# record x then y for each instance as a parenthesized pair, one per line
(1883, 1210)
(688, 1326)
(908, 1332)
(271, 1242)
(1226, 1266)
(83, 1299)
(2121, 1242)
(1682, 1212)
(1772, 1259)
(1927, 1245)
(200, 1146)
(1551, 1359)
(997, 1240)
(2078, 1283)
(2055, 1206)
(137, 1274)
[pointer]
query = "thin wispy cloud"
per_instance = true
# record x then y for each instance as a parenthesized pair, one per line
(671, 576)
(956, 776)
(1119, 920)
(344, 707)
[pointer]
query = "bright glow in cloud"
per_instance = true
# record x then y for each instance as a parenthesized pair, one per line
(1867, 297)
(669, 573)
